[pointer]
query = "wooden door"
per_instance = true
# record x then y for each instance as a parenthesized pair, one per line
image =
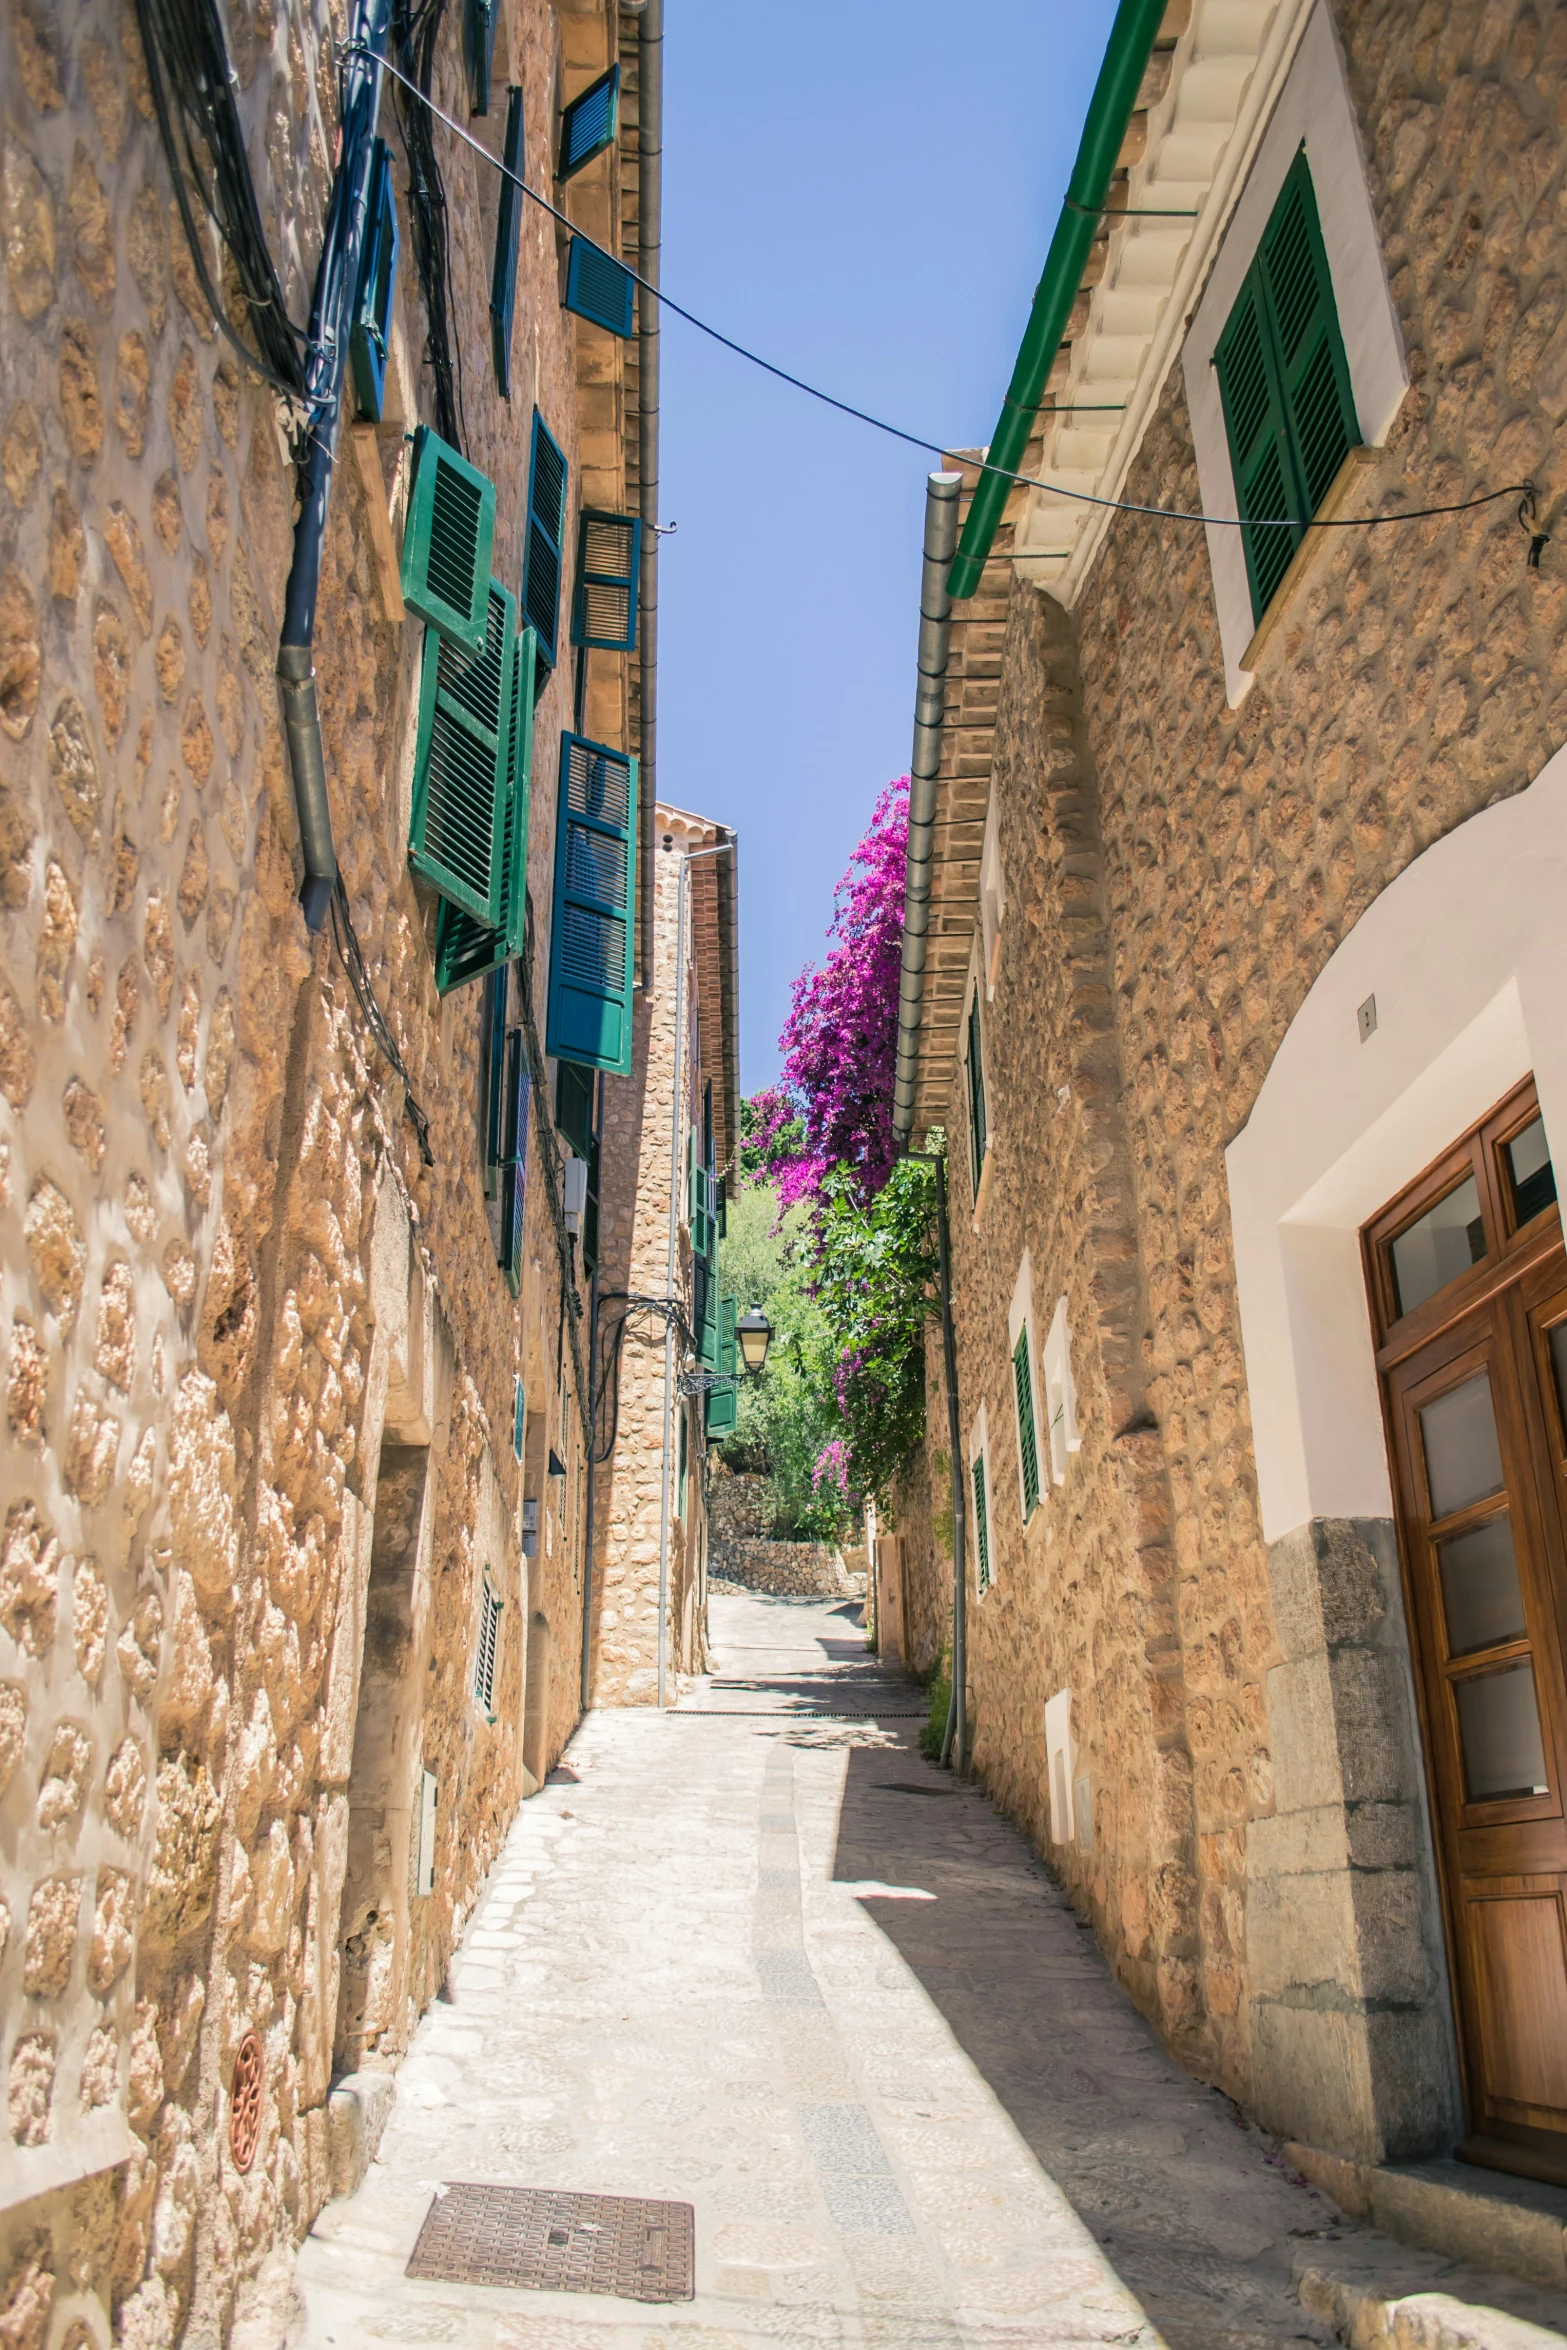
(1468, 1286)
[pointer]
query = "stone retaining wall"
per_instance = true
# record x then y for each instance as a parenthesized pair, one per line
(788, 1570)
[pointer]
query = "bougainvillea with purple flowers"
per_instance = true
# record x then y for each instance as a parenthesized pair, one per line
(840, 1039)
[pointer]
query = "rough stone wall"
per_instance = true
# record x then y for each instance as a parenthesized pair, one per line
(634, 1229)
(1178, 872)
(198, 1151)
(740, 1508)
(789, 1570)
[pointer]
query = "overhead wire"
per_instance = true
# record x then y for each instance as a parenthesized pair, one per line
(1516, 489)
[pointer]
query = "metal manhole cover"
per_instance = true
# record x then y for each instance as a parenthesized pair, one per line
(551, 2241)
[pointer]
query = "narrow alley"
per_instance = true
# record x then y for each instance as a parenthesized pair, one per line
(758, 1956)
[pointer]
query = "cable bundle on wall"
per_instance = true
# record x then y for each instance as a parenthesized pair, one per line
(416, 26)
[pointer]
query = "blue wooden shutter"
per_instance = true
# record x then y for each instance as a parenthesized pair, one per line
(466, 948)
(514, 1188)
(372, 327)
(448, 542)
(590, 123)
(1289, 409)
(493, 1084)
(1027, 1441)
(600, 288)
(508, 222)
(595, 893)
(604, 603)
(461, 765)
(543, 558)
(480, 18)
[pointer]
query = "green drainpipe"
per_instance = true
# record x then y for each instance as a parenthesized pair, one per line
(1110, 110)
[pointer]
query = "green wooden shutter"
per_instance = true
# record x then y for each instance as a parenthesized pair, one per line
(590, 123)
(981, 1524)
(1289, 409)
(508, 224)
(466, 948)
(599, 288)
(372, 322)
(723, 1402)
(589, 1018)
(543, 560)
(604, 604)
(1027, 1442)
(977, 1134)
(457, 834)
(448, 542)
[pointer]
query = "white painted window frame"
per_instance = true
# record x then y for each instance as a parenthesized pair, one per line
(1060, 1394)
(1020, 1317)
(979, 1450)
(992, 893)
(1060, 1766)
(973, 999)
(1313, 110)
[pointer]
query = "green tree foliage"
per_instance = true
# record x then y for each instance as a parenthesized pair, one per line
(874, 1275)
(786, 1419)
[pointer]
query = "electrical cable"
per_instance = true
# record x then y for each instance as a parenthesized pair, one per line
(665, 1309)
(1031, 481)
(416, 26)
(187, 59)
(350, 954)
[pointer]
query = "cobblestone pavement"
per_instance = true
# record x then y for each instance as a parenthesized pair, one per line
(769, 1962)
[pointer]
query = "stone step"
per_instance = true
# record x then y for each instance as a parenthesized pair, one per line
(1485, 2218)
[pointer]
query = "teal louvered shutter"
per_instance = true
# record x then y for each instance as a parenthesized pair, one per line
(508, 224)
(706, 1302)
(977, 1132)
(604, 602)
(371, 331)
(721, 1208)
(590, 123)
(465, 947)
(480, 20)
(981, 1524)
(589, 1018)
(448, 542)
(723, 1402)
(1289, 409)
(1027, 1438)
(457, 833)
(600, 288)
(514, 1166)
(544, 558)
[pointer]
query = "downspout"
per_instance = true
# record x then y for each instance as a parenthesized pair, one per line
(650, 197)
(941, 536)
(336, 275)
(1126, 58)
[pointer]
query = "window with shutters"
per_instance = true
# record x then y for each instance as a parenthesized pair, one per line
(463, 765)
(467, 948)
(974, 1070)
(599, 288)
(1289, 408)
(1060, 1394)
(1027, 1430)
(979, 1502)
(590, 123)
(508, 226)
(544, 549)
(723, 1402)
(604, 604)
(575, 1116)
(514, 1162)
(685, 1462)
(591, 930)
(448, 543)
(485, 1655)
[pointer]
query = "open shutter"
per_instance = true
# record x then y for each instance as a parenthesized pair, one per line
(604, 605)
(371, 330)
(600, 288)
(1027, 1440)
(595, 895)
(508, 222)
(448, 542)
(723, 1402)
(466, 948)
(981, 1524)
(590, 123)
(461, 766)
(544, 553)
(1259, 444)
(493, 1083)
(480, 19)
(514, 1188)
(977, 1133)
(1318, 399)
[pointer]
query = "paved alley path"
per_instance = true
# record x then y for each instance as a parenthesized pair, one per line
(768, 1961)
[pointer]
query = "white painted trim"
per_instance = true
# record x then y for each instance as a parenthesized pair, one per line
(1060, 1765)
(1466, 954)
(992, 892)
(971, 998)
(1060, 1393)
(1313, 110)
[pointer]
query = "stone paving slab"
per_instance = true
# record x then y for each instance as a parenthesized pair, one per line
(732, 1961)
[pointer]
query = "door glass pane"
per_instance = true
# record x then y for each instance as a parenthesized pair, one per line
(1463, 1458)
(1499, 1730)
(1448, 1239)
(1528, 1158)
(1480, 1588)
(1559, 1366)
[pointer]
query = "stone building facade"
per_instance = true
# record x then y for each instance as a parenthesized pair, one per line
(650, 1513)
(1248, 922)
(292, 1477)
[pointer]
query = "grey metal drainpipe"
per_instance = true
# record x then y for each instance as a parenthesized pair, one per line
(650, 196)
(941, 538)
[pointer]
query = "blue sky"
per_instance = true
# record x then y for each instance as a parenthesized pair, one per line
(864, 194)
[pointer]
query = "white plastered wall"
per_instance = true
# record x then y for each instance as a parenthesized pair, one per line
(1314, 110)
(1466, 956)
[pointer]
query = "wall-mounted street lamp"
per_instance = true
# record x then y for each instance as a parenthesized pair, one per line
(755, 1333)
